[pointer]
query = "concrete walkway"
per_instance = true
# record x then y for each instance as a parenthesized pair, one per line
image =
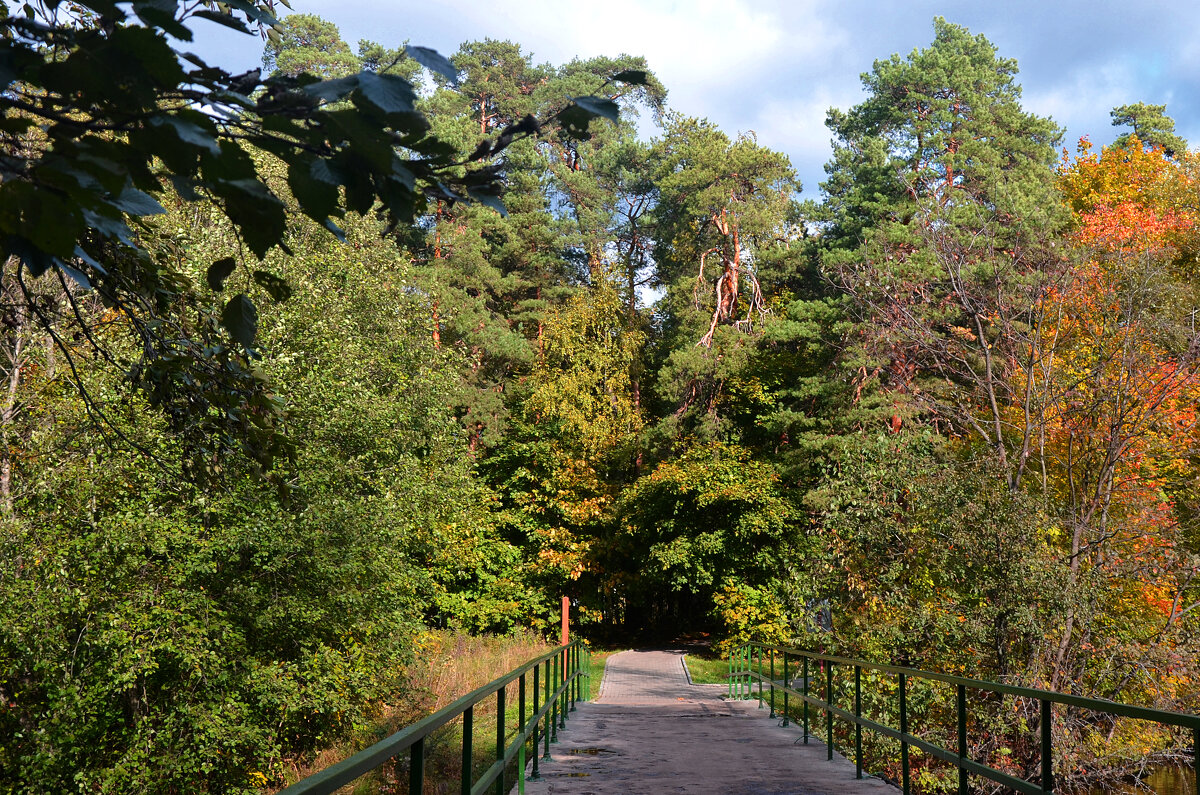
(652, 731)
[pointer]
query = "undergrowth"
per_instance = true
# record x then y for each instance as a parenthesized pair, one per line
(448, 665)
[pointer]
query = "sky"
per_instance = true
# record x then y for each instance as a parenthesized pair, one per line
(775, 68)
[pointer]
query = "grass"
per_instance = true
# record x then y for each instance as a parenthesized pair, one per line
(707, 668)
(599, 660)
(448, 666)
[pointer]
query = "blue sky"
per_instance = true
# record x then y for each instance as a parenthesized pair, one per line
(776, 67)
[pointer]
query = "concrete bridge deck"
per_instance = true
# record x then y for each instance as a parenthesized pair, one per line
(652, 731)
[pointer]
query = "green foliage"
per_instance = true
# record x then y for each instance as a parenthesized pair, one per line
(307, 44)
(87, 159)
(584, 373)
(927, 558)
(711, 519)
(452, 410)
(1151, 125)
(749, 614)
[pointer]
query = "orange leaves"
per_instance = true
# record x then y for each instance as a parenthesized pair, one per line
(1118, 175)
(1130, 227)
(1123, 381)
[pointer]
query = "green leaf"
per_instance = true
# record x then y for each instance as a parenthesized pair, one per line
(219, 271)
(161, 14)
(489, 200)
(135, 202)
(240, 319)
(575, 121)
(433, 61)
(227, 20)
(335, 230)
(323, 171)
(90, 260)
(188, 132)
(318, 198)
(599, 106)
(105, 221)
(148, 49)
(33, 257)
(387, 93)
(252, 11)
(634, 77)
(74, 274)
(279, 289)
(333, 90)
(260, 217)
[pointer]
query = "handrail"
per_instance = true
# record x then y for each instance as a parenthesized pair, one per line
(741, 685)
(563, 676)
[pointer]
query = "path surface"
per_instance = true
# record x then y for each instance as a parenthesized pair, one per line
(652, 731)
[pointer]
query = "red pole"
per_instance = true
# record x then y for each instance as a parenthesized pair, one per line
(566, 614)
(566, 634)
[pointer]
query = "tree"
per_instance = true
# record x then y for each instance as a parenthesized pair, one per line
(1151, 125)
(1121, 427)
(720, 200)
(307, 44)
(949, 186)
(86, 159)
(707, 523)
(724, 209)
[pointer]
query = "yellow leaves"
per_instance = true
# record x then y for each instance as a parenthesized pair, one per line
(963, 334)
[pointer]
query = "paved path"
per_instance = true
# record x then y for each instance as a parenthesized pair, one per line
(652, 731)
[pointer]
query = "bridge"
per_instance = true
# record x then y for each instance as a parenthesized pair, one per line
(652, 730)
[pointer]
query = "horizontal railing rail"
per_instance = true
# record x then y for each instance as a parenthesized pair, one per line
(743, 675)
(559, 679)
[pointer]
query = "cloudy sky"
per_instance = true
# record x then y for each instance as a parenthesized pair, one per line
(776, 67)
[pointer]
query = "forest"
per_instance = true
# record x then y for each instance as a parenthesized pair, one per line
(385, 342)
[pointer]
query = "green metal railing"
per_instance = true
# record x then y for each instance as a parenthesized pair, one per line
(743, 674)
(559, 678)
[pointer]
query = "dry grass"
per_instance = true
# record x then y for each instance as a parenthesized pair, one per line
(448, 666)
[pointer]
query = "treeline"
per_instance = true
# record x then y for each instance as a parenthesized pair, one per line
(944, 417)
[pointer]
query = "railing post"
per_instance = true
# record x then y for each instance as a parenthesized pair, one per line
(500, 706)
(468, 764)
(737, 675)
(963, 788)
(562, 698)
(549, 713)
(857, 725)
(741, 684)
(786, 685)
(533, 774)
(772, 681)
(829, 711)
(416, 767)
(760, 678)
(555, 671)
(746, 694)
(574, 652)
(735, 681)
(523, 735)
(904, 773)
(1196, 756)
(806, 700)
(1047, 750)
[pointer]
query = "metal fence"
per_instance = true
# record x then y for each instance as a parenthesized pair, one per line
(548, 686)
(744, 673)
